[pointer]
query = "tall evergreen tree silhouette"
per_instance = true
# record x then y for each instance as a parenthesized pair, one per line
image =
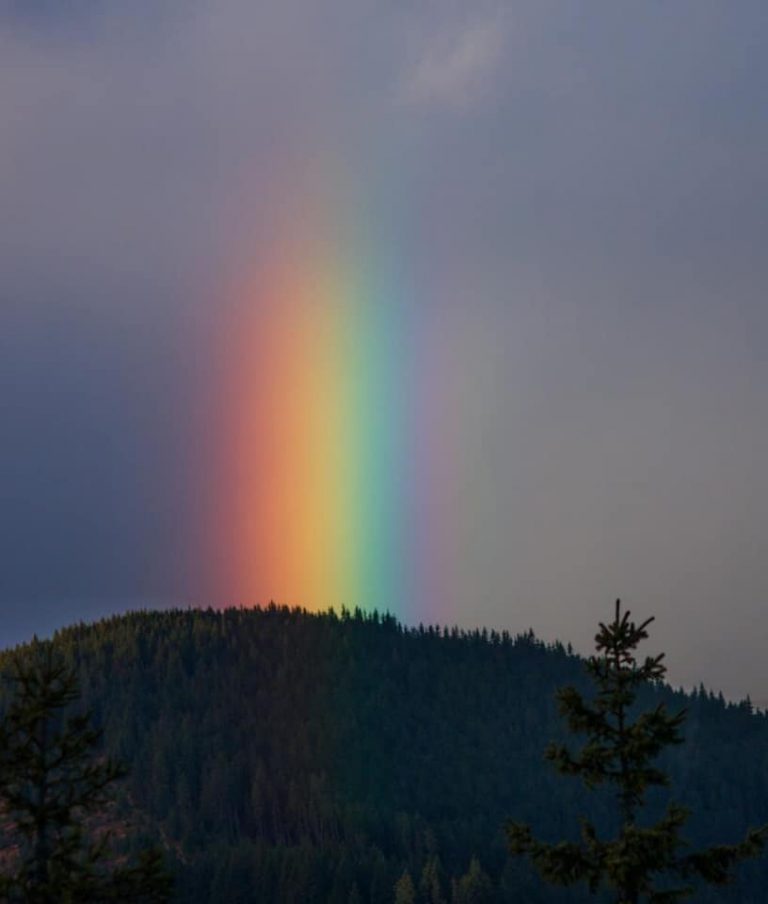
(405, 890)
(644, 861)
(54, 787)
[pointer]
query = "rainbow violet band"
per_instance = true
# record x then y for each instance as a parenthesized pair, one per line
(333, 467)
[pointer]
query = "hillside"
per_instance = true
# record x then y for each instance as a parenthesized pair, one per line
(291, 757)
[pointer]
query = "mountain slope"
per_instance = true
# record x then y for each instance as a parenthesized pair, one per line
(287, 757)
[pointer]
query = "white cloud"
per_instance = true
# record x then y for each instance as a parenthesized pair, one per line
(454, 69)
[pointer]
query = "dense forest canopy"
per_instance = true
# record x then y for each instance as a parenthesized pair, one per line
(285, 756)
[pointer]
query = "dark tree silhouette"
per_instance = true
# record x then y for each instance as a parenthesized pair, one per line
(644, 861)
(54, 791)
(287, 756)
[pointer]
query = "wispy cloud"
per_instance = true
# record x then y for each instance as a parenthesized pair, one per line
(455, 68)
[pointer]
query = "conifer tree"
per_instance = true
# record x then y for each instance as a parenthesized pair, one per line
(431, 883)
(474, 887)
(644, 862)
(53, 787)
(405, 891)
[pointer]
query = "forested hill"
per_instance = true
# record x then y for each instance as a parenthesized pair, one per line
(289, 757)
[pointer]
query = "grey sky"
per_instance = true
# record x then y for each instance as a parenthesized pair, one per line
(588, 191)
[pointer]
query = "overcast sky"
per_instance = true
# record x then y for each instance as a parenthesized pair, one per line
(587, 187)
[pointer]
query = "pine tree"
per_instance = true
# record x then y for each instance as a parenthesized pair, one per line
(474, 887)
(54, 788)
(431, 883)
(641, 862)
(405, 891)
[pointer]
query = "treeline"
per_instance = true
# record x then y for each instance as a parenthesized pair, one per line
(284, 756)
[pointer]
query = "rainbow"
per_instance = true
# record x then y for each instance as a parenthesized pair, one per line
(328, 499)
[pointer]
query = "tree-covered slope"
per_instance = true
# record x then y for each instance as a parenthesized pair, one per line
(290, 757)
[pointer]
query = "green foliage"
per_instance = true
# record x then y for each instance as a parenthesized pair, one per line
(405, 893)
(621, 751)
(474, 887)
(53, 789)
(281, 756)
(431, 882)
